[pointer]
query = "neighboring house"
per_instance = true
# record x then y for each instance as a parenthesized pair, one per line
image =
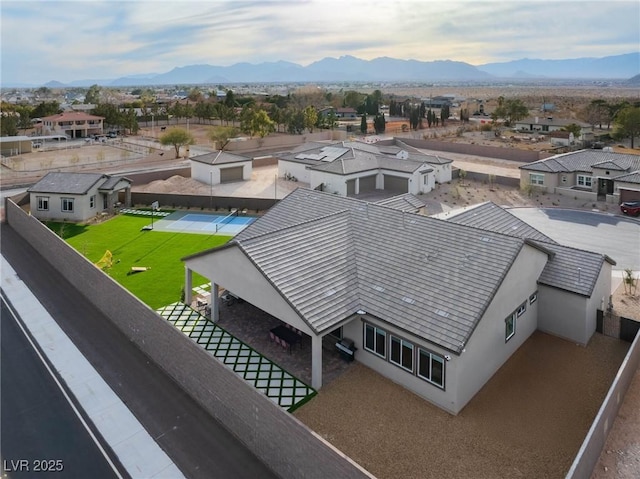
(350, 168)
(615, 176)
(76, 197)
(561, 138)
(74, 124)
(346, 113)
(15, 145)
(549, 124)
(220, 167)
(436, 306)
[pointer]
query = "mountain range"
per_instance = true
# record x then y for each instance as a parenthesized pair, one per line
(384, 69)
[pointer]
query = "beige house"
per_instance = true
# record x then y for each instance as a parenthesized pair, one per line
(590, 174)
(76, 197)
(74, 124)
(436, 306)
(550, 124)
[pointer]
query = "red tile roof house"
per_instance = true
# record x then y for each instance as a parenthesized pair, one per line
(436, 306)
(74, 124)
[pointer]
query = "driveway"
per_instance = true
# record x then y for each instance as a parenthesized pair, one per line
(614, 235)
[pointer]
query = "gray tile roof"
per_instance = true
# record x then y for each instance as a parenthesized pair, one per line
(330, 256)
(67, 183)
(568, 268)
(492, 217)
(572, 269)
(405, 202)
(630, 178)
(219, 158)
(112, 181)
(585, 161)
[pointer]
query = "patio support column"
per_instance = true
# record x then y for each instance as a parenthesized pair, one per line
(357, 187)
(215, 303)
(127, 197)
(316, 361)
(188, 286)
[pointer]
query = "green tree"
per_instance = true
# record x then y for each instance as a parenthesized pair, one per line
(46, 108)
(627, 123)
(222, 135)
(363, 124)
(510, 110)
(310, 117)
(93, 95)
(261, 124)
(177, 137)
(379, 123)
(9, 124)
(295, 121)
(575, 129)
(230, 99)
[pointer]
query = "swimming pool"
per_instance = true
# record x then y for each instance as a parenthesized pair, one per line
(203, 223)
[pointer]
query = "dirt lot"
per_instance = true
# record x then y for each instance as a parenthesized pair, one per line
(528, 421)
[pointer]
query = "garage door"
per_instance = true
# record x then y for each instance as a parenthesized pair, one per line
(351, 187)
(367, 183)
(231, 174)
(629, 195)
(395, 183)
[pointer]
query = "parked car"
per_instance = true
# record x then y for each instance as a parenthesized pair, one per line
(631, 208)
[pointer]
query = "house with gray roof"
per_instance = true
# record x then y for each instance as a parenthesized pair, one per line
(436, 306)
(76, 197)
(349, 168)
(591, 174)
(220, 167)
(542, 124)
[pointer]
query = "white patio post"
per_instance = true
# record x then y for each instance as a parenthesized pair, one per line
(215, 303)
(316, 361)
(188, 286)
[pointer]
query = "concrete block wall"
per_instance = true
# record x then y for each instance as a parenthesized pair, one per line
(589, 453)
(282, 442)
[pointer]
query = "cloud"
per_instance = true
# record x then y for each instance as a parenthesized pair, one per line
(43, 40)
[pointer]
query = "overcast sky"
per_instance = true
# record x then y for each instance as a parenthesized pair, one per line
(75, 40)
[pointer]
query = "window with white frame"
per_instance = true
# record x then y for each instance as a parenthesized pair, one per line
(431, 367)
(43, 203)
(536, 179)
(510, 327)
(92, 201)
(67, 205)
(533, 298)
(401, 353)
(521, 309)
(584, 180)
(375, 340)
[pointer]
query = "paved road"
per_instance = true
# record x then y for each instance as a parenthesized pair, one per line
(38, 423)
(196, 442)
(613, 235)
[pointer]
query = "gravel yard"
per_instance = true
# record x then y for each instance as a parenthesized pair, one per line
(528, 421)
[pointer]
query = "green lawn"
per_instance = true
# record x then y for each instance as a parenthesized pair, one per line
(129, 246)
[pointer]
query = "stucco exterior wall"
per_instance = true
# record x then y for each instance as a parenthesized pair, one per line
(432, 393)
(442, 173)
(551, 180)
(562, 314)
(599, 300)
(488, 349)
(82, 209)
(299, 170)
(210, 174)
(232, 270)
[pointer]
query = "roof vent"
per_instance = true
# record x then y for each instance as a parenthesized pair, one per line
(444, 314)
(486, 239)
(409, 300)
(330, 292)
(379, 289)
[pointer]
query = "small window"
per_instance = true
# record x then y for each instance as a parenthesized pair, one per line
(509, 327)
(584, 180)
(533, 298)
(401, 353)
(536, 179)
(375, 340)
(43, 203)
(431, 367)
(67, 205)
(521, 309)
(92, 201)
